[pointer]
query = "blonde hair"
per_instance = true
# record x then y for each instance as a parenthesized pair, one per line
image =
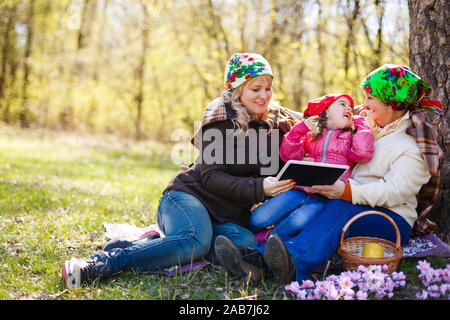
(243, 116)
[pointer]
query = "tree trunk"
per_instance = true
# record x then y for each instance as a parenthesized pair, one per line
(7, 52)
(141, 71)
(351, 20)
(24, 112)
(321, 50)
(429, 54)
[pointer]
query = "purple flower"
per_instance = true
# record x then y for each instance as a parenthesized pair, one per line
(422, 294)
(307, 284)
(347, 293)
(321, 288)
(293, 287)
(444, 288)
(332, 293)
(372, 282)
(423, 265)
(434, 291)
(361, 295)
(302, 294)
(345, 282)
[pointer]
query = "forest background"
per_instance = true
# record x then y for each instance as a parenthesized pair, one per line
(142, 68)
(92, 92)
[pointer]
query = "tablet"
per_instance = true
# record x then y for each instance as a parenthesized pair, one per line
(308, 174)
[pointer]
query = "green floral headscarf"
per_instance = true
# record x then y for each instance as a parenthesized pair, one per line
(399, 87)
(241, 67)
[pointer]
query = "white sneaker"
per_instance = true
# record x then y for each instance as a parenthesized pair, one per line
(76, 271)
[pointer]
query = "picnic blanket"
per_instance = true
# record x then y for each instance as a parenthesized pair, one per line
(417, 247)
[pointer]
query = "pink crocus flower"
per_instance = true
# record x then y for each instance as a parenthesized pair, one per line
(434, 291)
(444, 288)
(302, 294)
(321, 288)
(423, 265)
(307, 284)
(361, 295)
(422, 295)
(293, 287)
(347, 293)
(332, 293)
(345, 281)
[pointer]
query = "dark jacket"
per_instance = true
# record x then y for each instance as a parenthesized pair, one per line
(226, 187)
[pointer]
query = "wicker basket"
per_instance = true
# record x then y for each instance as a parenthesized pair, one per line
(350, 248)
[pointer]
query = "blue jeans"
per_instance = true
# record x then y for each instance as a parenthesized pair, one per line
(188, 232)
(290, 211)
(320, 239)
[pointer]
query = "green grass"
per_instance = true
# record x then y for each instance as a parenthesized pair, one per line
(56, 191)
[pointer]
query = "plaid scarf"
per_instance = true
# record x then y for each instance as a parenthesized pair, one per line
(217, 110)
(425, 136)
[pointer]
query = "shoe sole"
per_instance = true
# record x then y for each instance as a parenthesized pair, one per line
(65, 275)
(277, 259)
(231, 259)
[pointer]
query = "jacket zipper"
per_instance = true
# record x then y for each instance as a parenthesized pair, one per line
(325, 145)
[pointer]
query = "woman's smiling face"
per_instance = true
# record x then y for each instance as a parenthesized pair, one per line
(257, 94)
(378, 111)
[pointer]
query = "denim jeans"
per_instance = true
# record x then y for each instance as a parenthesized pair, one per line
(276, 209)
(320, 239)
(290, 211)
(188, 232)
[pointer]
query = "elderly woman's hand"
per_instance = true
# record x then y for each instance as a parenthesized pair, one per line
(334, 191)
(273, 187)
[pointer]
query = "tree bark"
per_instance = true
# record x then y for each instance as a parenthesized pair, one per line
(8, 50)
(24, 112)
(139, 98)
(321, 50)
(351, 19)
(429, 57)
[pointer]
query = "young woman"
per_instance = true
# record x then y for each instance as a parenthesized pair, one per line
(405, 157)
(212, 196)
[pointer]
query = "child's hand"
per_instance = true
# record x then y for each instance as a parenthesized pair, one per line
(360, 123)
(310, 122)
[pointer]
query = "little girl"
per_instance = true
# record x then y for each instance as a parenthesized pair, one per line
(328, 134)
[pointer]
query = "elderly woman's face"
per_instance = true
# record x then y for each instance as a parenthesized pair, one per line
(378, 112)
(257, 94)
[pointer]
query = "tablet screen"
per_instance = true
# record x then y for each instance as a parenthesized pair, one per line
(307, 174)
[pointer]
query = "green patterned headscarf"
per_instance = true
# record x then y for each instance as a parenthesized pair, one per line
(399, 87)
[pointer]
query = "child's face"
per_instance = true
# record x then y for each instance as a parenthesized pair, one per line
(339, 114)
(257, 94)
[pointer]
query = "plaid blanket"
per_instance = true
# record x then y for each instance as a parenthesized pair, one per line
(426, 137)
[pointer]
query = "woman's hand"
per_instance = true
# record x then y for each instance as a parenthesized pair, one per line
(273, 187)
(334, 191)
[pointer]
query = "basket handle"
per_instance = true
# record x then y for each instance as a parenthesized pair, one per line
(365, 213)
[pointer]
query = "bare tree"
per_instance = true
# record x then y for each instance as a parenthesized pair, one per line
(140, 72)
(24, 112)
(351, 18)
(8, 50)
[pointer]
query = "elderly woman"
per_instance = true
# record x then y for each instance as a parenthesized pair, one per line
(212, 196)
(406, 156)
